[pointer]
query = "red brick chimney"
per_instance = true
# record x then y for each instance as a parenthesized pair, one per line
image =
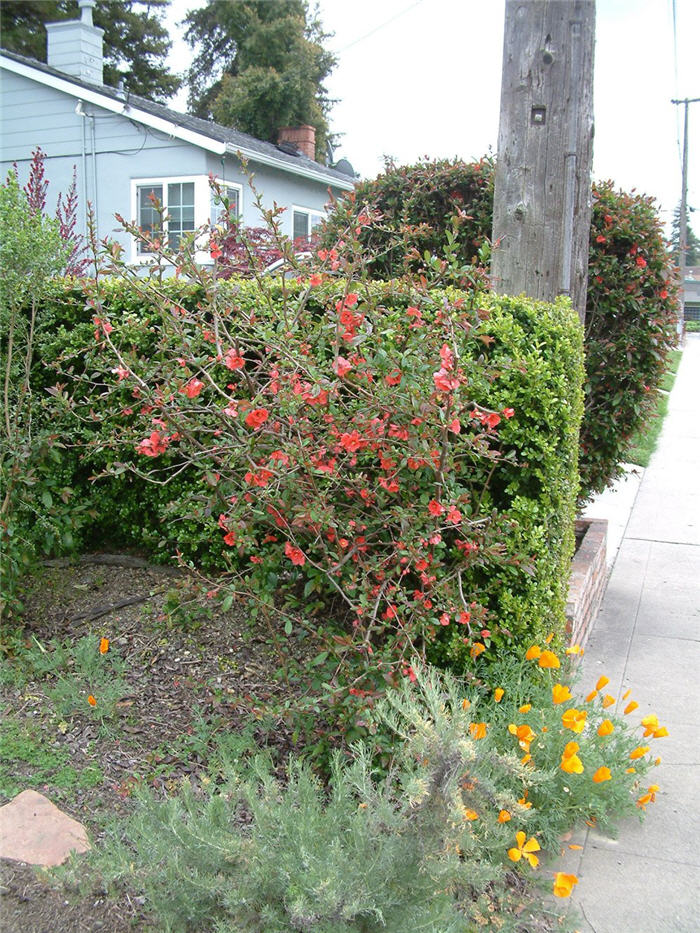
(303, 137)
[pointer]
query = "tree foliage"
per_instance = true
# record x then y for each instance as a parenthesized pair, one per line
(692, 252)
(134, 39)
(260, 65)
(437, 215)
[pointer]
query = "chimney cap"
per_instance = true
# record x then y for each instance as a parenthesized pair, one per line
(86, 8)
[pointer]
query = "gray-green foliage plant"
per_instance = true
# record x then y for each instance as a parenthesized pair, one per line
(366, 853)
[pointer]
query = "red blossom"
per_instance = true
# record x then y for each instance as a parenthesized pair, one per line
(192, 388)
(295, 554)
(435, 508)
(233, 360)
(154, 445)
(394, 377)
(256, 418)
(341, 366)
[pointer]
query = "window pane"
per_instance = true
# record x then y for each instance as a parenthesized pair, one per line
(180, 211)
(301, 226)
(148, 216)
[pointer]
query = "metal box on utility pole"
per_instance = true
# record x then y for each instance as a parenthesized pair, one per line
(542, 201)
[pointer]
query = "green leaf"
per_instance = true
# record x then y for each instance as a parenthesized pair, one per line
(288, 627)
(47, 498)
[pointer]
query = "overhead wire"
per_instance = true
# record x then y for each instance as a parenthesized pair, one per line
(376, 29)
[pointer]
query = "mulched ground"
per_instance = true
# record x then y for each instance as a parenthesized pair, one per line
(191, 673)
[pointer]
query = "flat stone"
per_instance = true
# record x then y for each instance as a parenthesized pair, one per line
(34, 830)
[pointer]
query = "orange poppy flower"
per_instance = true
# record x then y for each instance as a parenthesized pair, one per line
(639, 752)
(498, 694)
(104, 645)
(574, 719)
(602, 682)
(525, 708)
(476, 650)
(91, 700)
(503, 816)
(477, 730)
(602, 774)
(525, 849)
(548, 659)
(660, 733)
(533, 652)
(560, 694)
(571, 764)
(630, 706)
(605, 728)
(564, 884)
(470, 814)
(608, 700)
(574, 649)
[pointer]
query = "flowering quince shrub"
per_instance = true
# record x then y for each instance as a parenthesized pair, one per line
(406, 459)
(463, 833)
(435, 219)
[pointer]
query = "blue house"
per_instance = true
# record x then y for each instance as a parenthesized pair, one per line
(124, 150)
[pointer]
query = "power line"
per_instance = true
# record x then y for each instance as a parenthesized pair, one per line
(376, 29)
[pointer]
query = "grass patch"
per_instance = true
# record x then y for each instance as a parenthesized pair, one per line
(643, 443)
(29, 759)
(692, 327)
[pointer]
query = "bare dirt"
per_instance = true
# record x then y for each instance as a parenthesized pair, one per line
(192, 675)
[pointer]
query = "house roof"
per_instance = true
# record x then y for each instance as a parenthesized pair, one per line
(203, 133)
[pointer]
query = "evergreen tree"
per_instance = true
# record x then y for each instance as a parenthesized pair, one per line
(134, 39)
(260, 65)
(692, 252)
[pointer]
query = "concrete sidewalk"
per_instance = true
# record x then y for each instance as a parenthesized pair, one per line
(647, 638)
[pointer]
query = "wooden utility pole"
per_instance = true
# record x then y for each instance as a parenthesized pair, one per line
(542, 203)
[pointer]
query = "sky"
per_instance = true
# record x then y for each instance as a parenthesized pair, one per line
(420, 78)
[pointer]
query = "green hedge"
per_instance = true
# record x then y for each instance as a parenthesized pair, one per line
(515, 354)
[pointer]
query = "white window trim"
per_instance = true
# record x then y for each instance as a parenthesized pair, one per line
(313, 213)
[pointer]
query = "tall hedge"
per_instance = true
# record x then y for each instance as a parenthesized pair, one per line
(474, 549)
(444, 210)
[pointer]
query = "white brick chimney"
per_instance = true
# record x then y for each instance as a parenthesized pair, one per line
(74, 46)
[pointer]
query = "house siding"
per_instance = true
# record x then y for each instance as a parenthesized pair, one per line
(33, 114)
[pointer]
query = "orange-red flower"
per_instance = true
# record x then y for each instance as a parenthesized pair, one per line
(525, 849)
(476, 650)
(564, 884)
(91, 700)
(104, 645)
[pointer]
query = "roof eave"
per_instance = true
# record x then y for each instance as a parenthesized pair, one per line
(174, 130)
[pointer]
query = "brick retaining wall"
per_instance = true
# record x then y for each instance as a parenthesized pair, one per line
(589, 576)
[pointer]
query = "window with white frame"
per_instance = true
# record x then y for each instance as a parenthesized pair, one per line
(169, 205)
(304, 222)
(229, 200)
(171, 208)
